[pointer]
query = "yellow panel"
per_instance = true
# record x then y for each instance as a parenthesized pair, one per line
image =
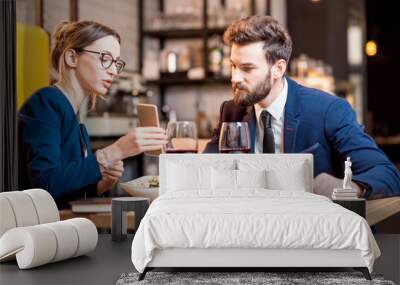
(32, 60)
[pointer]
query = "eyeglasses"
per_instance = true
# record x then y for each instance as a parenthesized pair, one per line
(107, 59)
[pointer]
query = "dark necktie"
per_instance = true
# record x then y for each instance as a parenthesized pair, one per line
(268, 140)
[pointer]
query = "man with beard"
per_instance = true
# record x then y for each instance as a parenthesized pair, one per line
(285, 117)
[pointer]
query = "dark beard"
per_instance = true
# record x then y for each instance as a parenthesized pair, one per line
(244, 98)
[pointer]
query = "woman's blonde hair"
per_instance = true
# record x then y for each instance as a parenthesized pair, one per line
(75, 35)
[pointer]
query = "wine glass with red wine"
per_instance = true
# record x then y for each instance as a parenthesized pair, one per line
(182, 137)
(234, 138)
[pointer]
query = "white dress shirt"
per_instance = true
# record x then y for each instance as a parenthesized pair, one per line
(277, 111)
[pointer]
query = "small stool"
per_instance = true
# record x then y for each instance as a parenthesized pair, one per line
(120, 206)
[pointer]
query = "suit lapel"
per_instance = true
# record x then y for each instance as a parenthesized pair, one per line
(250, 118)
(291, 117)
(290, 132)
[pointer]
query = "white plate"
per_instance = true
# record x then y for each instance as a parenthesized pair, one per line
(139, 187)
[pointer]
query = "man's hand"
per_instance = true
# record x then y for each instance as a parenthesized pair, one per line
(110, 176)
(324, 184)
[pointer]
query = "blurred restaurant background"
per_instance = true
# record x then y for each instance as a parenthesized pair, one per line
(176, 59)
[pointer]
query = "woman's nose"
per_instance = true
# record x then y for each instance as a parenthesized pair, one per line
(112, 69)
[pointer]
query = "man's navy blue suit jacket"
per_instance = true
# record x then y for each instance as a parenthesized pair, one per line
(324, 125)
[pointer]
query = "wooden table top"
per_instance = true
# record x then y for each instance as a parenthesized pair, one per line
(102, 221)
(381, 209)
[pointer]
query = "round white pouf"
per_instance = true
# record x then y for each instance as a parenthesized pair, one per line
(31, 232)
(46, 208)
(7, 218)
(33, 246)
(87, 235)
(23, 208)
(66, 238)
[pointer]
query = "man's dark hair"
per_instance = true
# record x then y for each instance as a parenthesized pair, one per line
(277, 42)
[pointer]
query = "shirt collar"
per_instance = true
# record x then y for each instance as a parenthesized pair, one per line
(277, 107)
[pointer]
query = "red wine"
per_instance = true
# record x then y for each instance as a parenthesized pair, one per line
(235, 150)
(172, 150)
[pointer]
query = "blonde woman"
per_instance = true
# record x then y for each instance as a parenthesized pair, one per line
(54, 148)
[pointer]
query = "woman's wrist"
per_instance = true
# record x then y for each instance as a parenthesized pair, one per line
(109, 155)
(102, 159)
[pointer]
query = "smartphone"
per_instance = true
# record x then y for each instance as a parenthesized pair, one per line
(148, 117)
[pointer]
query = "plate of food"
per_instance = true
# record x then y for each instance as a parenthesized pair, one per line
(145, 186)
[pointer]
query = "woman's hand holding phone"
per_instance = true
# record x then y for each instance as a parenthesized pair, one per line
(141, 139)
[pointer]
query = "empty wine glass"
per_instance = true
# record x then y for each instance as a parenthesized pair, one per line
(182, 137)
(234, 138)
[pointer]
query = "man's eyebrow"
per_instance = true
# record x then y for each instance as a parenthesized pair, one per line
(245, 64)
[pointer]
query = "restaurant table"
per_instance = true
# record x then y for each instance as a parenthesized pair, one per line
(102, 221)
(104, 265)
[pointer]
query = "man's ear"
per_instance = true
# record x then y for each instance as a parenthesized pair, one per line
(279, 69)
(71, 58)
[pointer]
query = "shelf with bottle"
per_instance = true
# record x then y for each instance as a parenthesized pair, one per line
(203, 122)
(312, 73)
(198, 21)
(187, 81)
(187, 21)
(184, 64)
(183, 33)
(219, 65)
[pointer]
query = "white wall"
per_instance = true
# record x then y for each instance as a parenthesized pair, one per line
(278, 10)
(54, 12)
(25, 10)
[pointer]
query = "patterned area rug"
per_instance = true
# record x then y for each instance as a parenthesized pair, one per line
(229, 278)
